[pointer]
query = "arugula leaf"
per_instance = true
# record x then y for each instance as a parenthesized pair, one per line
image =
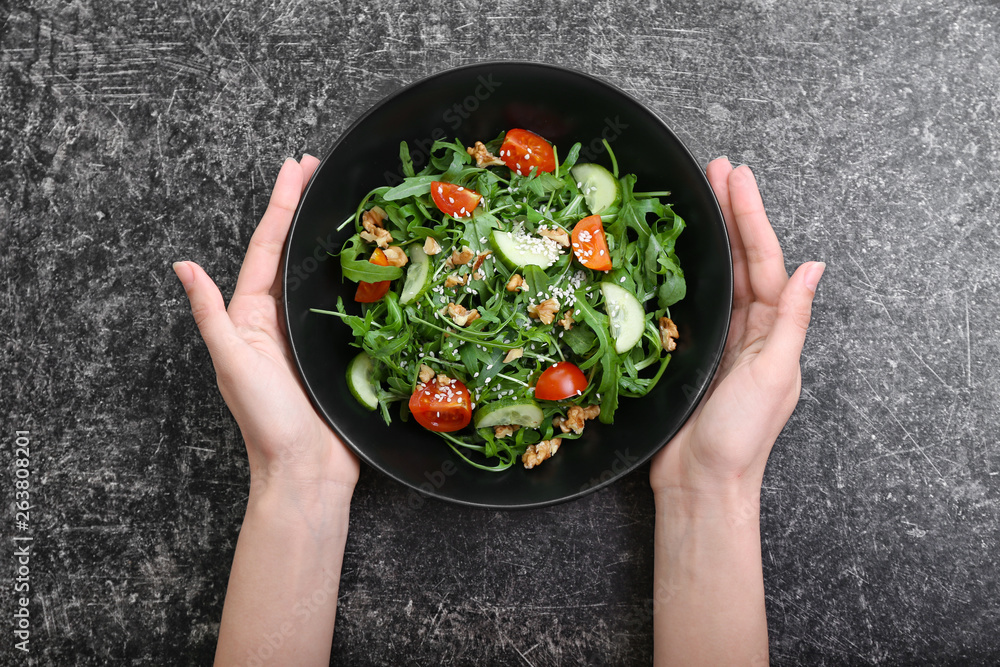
(413, 186)
(404, 158)
(361, 270)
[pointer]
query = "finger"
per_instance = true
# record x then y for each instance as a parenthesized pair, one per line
(260, 265)
(718, 171)
(765, 263)
(308, 164)
(784, 343)
(207, 305)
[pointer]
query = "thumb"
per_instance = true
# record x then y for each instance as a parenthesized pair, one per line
(784, 343)
(207, 305)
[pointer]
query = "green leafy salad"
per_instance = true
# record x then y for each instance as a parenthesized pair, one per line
(507, 297)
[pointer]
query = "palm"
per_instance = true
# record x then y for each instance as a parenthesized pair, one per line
(256, 375)
(758, 382)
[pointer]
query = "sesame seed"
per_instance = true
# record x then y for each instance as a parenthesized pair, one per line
(451, 200)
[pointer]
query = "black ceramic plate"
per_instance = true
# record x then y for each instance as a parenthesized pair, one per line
(479, 102)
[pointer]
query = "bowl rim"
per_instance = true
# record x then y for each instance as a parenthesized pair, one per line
(436, 494)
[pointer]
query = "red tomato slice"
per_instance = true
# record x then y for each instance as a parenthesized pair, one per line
(441, 409)
(454, 200)
(590, 245)
(523, 150)
(372, 292)
(560, 380)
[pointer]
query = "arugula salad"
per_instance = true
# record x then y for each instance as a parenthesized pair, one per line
(507, 297)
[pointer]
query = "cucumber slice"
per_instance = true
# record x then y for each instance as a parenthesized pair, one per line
(598, 185)
(628, 319)
(359, 380)
(418, 276)
(517, 249)
(519, 411)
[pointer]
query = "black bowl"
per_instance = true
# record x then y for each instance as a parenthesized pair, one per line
(479, 102)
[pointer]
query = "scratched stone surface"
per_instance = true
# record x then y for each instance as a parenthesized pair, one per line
(134, 134)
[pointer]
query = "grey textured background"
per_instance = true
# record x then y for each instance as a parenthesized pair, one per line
(134, 134)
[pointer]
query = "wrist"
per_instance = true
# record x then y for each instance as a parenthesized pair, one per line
(321, 505)
(736, 502)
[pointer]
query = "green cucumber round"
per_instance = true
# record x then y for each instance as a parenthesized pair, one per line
(418, 276)
(517, 249)
(599, 186)
(628, 319)
(359, 380)
(513, 411)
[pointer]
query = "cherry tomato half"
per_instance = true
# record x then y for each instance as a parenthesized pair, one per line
(372, 292)
(454, 200)
(522, 150)
(560, 380)
(590, 245)
(441, 409)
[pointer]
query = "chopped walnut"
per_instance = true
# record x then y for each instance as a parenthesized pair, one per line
(560, 236)
(460, 315)
(515, 283)
(504, 430)
(426, 373)
(443, 380)
(576, 417)
(567, 320)
(535, 454)
(431, 246)
(668, 332)
(460, 257)
(396, 256)
(545, 311)
(484, 158)
(516, 353)
(375, 232)
(375, 216)
(480, 258)
(454, 280)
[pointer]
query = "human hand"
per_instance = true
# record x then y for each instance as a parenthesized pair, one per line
(288, 443)
(723, 447)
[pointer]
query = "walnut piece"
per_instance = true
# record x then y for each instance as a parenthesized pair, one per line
(574, 421)
(375, 232)
(431, 246)
(484, 158)
(537, 453)
(396, 256)
(567, 321)
(516, 353)
(460, 257)
(454, 279)
(668, 332)
(375, 216)
(545, 311)
(443, 380)
(560, 236)
(480, 258)
(515, 283)
(426, 373)
(504, 430)
(460, 315)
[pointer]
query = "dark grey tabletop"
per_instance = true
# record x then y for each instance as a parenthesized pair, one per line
(135, 134)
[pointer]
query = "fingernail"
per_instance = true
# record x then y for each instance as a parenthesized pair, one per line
(813, 275)
(184, 273)
(724, 157)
